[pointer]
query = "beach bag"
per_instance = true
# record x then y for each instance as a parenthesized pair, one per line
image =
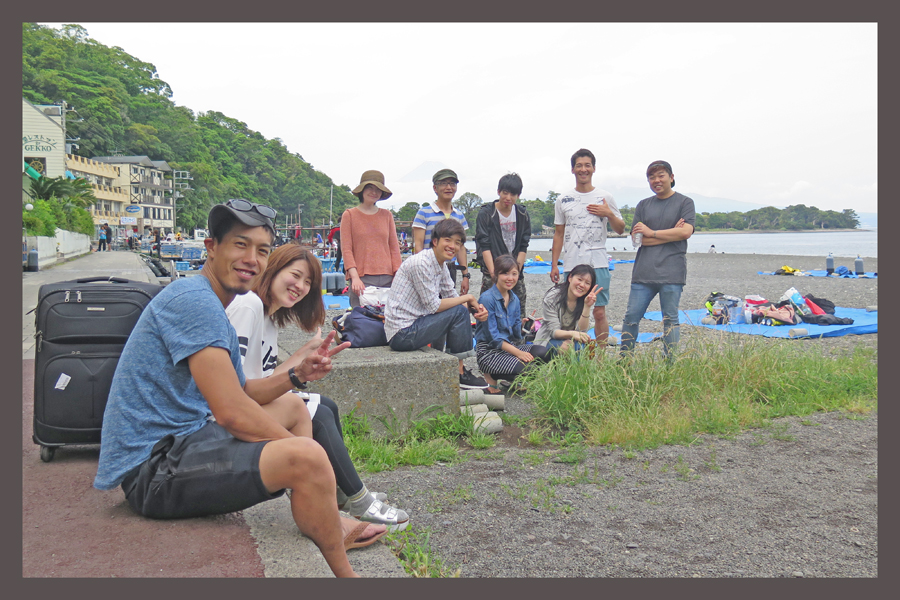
(363, 327)
(374, 296)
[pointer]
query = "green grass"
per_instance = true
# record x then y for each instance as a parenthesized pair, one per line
(412, 546)
(427, 441)
(720, 386)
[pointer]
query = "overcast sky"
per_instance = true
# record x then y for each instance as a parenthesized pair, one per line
(767, 113)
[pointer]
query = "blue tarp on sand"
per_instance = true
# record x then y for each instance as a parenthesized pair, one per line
(823, 273)
(328, 300)
(542, 267)
(643, 337)
(863, 322)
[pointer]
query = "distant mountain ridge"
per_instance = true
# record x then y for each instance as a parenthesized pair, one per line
(630, 196)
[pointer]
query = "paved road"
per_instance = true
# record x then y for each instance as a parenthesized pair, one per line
(71, 529)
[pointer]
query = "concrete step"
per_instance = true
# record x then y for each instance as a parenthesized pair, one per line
(396, 387)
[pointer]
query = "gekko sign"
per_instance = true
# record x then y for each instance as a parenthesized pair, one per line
(38, 143)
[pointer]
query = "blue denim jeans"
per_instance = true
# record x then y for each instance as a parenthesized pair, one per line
(452, 325)
(639, 300)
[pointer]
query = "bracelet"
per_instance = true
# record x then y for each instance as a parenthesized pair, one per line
(586, 316)
(300, 385)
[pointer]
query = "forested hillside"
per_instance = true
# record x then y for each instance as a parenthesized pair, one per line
(125, 108)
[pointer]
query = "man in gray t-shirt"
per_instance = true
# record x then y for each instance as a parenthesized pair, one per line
(665, 221)
(186, 434)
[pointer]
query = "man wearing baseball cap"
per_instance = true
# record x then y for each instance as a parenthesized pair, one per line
(445, 183)
(666, 221)
(186, 434)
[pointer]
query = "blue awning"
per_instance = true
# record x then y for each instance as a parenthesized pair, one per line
(69, 175)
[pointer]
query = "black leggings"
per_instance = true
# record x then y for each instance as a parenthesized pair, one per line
(326, 426)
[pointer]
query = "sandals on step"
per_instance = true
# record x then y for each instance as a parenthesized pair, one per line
(351, 540)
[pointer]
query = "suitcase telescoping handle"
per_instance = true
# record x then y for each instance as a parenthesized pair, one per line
(109, 279)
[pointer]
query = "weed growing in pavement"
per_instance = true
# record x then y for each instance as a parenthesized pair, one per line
(482, 441)
(535, 437)
(439, 500)
(779, 432)
(517, 420)
(535, 459)
(574, 455)
(684, 470)
(713, 386)
(712, 464)
(809, 423)
(412, 546)
(759, 440)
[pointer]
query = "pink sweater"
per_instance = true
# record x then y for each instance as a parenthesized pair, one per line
(369, 242)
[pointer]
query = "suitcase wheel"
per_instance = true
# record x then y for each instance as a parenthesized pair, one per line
(47, 453)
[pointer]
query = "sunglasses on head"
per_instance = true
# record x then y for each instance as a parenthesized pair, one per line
(246, 206)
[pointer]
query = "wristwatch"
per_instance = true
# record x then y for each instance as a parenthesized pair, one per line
(300, 385)
(467, 275)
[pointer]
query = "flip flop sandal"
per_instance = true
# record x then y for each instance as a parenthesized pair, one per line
(350, 540)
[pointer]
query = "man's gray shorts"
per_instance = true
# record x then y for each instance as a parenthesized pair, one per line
(208, 472)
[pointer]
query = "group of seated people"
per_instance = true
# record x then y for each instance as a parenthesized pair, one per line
(423, 308)
(202, 419)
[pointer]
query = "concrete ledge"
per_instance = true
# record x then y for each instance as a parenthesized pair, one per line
(379, 382)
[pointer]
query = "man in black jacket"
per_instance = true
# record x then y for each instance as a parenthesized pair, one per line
(503, 227)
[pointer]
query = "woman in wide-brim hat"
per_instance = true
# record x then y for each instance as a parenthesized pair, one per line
(369, 243)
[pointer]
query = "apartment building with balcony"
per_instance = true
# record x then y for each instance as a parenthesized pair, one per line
(112, 199)
(147, 187)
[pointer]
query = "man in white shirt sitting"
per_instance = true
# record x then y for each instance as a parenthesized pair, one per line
(423, 307)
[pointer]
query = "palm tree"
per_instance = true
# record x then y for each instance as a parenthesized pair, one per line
(73, 192)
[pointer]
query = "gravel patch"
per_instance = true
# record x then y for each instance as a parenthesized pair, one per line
(798, 499)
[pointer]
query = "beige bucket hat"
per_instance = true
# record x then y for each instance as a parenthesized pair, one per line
(376, 178)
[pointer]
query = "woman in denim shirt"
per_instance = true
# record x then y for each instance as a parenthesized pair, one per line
(501, 350)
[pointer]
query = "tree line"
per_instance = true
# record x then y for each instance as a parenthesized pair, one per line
(124, 108)
(767, 218)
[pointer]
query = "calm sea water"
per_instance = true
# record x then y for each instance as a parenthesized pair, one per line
(839, 243)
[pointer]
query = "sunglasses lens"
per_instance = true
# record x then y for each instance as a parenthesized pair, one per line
(266, 211)
(240, 204)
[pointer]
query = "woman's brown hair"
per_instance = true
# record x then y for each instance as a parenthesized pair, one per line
(309, 312)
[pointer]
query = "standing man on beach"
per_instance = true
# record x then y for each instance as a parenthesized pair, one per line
(445, 183)
(666, 221)
(580, 234)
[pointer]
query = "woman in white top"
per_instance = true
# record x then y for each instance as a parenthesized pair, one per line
(567, 310)
(280, 297)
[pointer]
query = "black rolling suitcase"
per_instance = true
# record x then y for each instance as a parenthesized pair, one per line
(81, 329)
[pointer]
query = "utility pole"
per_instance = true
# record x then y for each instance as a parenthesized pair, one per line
(331, 208)
(299, 225)
(179, 183)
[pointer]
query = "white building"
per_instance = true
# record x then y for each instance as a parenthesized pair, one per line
(145, 184)
(43, 138)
